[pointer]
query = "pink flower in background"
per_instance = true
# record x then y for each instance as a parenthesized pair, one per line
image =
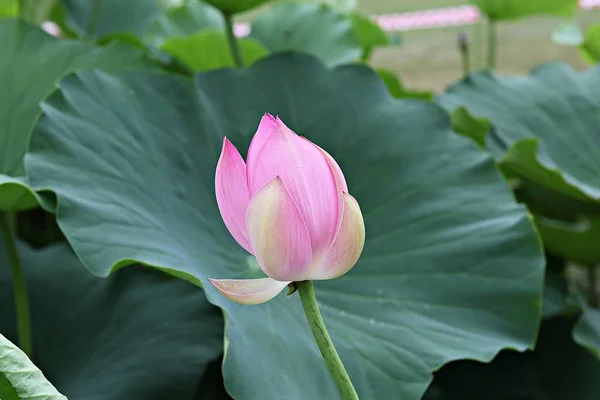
(289, 206)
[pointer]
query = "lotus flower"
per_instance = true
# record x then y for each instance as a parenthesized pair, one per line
(288, 205)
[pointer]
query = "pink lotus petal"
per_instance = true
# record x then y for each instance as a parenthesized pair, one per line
(232, 192)
(265, 128)
(337, 171)
(346, 247)
(278, 233)
(308, 178)
(52, 28)
(249, 291)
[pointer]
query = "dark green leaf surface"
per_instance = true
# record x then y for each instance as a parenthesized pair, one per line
(309, 28)
(32, 61)
(137, 335)
(103, 17)
(189, 18)
(451, 269)
(549, 122)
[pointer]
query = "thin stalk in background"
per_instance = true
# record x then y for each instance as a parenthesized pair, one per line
(593, 286)
(306, 290)
(463, 46)
(234, 45)
(94, 17)
(36, 11)
(491, 48)
(19, 284)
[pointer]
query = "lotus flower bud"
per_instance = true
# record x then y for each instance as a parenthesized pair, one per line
(288, 205)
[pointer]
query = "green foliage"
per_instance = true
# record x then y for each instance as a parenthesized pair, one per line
(116, 133)
(20, 379)
(590, 48)
(398, 90)
(309, 28)
(208, 50)
(138, 335)
(9, 8)
(545, 132)
(558, 369)
(587, 330)
(556, 139)
(236, 6)
(512, 9)
(368, 33)
(172, 128)
(103, 17)
(27, 80)
(191, 17)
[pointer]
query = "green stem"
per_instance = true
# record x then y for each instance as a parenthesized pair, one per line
(593, 285)
(319, 331)
(19, 285)
(94, 17)
(491, 50)
(463, 45)
(234, 45)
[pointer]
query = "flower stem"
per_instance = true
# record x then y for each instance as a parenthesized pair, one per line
(94, 17)
(491, 50)
(234, 46)
(593, 282)
(319, 331)
(19, 285)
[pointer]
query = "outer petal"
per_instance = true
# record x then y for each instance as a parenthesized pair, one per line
(308, 177)
(232, 192)
(265, 128)
(347, 246)
(278, 234)
(249, 291)
(337, 171)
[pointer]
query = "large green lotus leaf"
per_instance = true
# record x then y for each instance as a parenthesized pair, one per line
(20, 379)
(236, 6)
(32, 61)
(451, 268)
(102, 17)
(587, 330)
(548, 123)
(590, 47)
(208, 49)
(511, 9)
(558, 369)
(189, 18)
(138, 335)
(309, 28)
